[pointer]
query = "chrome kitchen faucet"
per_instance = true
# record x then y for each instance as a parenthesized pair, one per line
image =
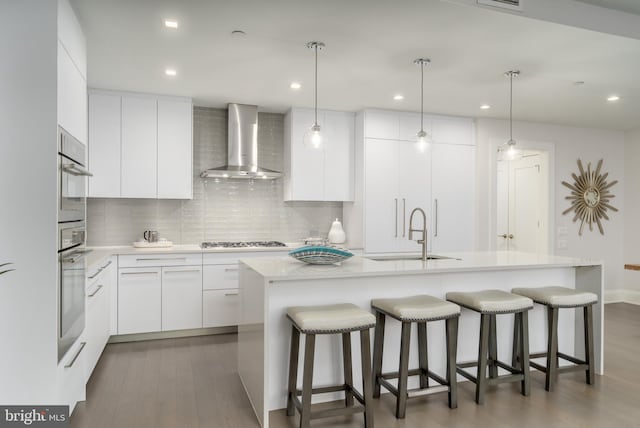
(422, 241)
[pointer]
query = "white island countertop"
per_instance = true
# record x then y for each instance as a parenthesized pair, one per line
(289, 269)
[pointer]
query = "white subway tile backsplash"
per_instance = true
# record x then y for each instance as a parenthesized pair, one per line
(220, 209)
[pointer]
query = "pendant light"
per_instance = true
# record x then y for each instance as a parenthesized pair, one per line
(314, 137)
(423, 139)
(508, 151)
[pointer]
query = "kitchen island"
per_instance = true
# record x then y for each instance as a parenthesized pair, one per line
(269, 285)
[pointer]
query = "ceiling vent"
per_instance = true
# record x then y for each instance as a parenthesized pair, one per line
(504, 4)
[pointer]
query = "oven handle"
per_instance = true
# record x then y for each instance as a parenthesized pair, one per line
(75, 256)
(76, 170)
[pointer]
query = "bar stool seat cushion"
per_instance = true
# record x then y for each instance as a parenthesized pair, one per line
(491, 301)
(327, 319)
(417, 308)
(558, 296)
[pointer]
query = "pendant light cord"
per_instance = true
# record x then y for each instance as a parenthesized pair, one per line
(316, 88)
(510, 107)
(422, 96)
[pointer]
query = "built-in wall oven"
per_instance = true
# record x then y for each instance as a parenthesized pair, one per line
(72, 170)
(71, 240)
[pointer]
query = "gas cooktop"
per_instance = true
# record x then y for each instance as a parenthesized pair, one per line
(241, 244)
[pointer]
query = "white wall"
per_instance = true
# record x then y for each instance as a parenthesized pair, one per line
(570, 143)
(632, 211)
(28, 129)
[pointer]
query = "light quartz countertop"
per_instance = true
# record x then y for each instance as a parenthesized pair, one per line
(288, 269)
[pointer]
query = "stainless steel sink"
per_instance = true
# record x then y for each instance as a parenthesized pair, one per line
(403, 257)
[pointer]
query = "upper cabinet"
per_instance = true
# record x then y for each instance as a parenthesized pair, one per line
(72, 73)
(140, 146)
(393, 178)
(319, 174)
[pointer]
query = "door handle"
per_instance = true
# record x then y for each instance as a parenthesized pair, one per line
(96, 292)
(231, 269)
(76, 170)
(435, 229)
(75, 256)
(396, 201)
(5, 265)
(505, 236)
(511, 236)
(73, 361)
(404, 216)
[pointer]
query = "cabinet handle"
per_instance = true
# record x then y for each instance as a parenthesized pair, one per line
(396, 199)
(435, 229)
(163, 259)
(75, 357)
(105, 266)
(182, 270)
(231, 269)
(96, 274)
(511, 236)
(404, 216)
(96, 292)
(139, 273)
(231, 294)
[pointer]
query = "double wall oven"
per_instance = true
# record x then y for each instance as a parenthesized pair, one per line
(72, 185)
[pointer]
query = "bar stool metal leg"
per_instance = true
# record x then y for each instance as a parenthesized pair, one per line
(403, 371)
(552, 348)
(524, 352)
(588, 343)
(451, 326)
(378, 346)
(293, 370)
(365, 355)
(423, 355)
(483, 350)
(515, 352)
(348, 376)
(493, 347)
(307, 380)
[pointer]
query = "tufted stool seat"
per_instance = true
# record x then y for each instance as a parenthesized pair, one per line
(408, 310)
(554, 298)
(490, 303)
(329, 319)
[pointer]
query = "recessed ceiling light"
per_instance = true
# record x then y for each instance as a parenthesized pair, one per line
(398, 97)
(170, 23)
(170, 72)
(295, 85)
(613, 98)
(485, 106)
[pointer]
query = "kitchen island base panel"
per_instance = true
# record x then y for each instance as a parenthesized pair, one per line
(263, 344)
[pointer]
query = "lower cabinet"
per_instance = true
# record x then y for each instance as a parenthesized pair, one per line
(220, 307)
(139, 300)
(98, 316)
(71, 375)
(181, 297)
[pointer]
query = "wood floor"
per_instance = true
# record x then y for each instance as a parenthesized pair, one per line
(193, 382)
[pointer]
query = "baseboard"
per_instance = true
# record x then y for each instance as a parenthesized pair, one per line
(622, 296)
(121, 338)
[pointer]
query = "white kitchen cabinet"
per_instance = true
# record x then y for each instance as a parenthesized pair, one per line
(453, 193)
(104, 148)
(72, 96)
(319, 174)
(397, 180)
(139, 300)
(175, 171)
(181, 297)
(139, 158)
(140, 146)
(220, 308)
(71, 375)
(220, 277)
(98, 315)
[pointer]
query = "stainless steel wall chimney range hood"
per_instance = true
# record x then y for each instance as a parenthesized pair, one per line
(242, 147)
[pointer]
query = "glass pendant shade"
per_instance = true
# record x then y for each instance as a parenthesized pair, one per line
(422, 141)
(422, 138)
(314, 137)
(508, 151)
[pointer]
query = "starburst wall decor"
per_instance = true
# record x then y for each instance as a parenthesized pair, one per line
(590, 196)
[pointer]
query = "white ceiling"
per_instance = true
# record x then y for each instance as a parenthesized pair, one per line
(628, 6)
(371, 45)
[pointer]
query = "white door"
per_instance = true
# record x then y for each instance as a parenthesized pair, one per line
(414, 188)
(528, 202)
(382, 202)
(502, 211)
(453, 197)
(104, 145)
(181, 297)
(175, 173)
(139, 300)
(307, 163)
(338, 156)
(139, 147)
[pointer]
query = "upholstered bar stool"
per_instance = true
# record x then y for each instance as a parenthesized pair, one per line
(555, 298)
(420, 310)
(329, 319)
(490, 303)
